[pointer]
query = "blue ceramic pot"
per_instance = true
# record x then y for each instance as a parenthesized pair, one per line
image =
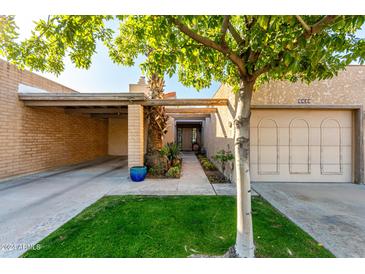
(138, 173)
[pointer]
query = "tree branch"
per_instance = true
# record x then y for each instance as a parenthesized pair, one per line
(224, 29)
(323, 23)
(236, 36)
(211, 44)
(268, 67)
(254, 56)
(262, 70)
(195, 36)
(303, 23)
(317, 27)
(314, 29)
(250, 24)
(45, 31)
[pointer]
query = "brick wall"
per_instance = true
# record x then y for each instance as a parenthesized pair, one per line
(34, 139)
(118, 136)
(136, 135)
(137, 131)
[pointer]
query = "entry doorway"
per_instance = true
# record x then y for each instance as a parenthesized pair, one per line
(189, 136)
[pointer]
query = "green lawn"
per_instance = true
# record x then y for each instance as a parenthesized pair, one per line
(178, 226)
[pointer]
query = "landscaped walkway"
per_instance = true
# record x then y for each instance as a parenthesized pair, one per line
(192, 182)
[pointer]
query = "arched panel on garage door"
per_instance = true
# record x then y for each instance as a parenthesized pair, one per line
(331, 147)
(299, 147)
(268, 147)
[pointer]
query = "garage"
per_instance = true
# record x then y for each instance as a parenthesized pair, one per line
(302, 145)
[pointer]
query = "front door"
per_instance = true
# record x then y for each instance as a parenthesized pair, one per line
(187, 135)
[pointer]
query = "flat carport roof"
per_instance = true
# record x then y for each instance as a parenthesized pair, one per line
(109, 105)
(109, 99)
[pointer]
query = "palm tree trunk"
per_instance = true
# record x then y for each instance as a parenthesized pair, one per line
(155, 134)
(244, 246)
(156, 115)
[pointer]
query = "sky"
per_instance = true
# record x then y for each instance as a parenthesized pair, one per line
(105, 76)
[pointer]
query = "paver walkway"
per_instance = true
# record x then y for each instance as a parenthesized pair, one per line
(192, 182)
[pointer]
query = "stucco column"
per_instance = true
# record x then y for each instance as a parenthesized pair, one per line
(135, 136)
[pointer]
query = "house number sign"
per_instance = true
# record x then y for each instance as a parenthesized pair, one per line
(304, 101)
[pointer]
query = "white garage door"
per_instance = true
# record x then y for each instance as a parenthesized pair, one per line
(301, 145)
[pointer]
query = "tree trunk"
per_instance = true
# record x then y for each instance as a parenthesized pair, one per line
(244, 246)
(157, 127)
(156, 115)
(155, 134)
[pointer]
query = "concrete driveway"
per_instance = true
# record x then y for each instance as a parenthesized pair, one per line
(334, 214)
(31, 207)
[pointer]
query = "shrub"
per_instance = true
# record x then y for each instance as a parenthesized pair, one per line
(201, 156)
(173, 172)
(151, 171)
(223, 157)
(217, 178)
(164, 150)
(207, 164)
(172, 152)
(159, 162)
(157, 170)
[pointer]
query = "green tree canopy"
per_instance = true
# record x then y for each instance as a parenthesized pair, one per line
(198, 48)
(53, 39)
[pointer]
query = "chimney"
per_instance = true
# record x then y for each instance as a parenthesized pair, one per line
(141, 86)
(142, 80)
(169, 95)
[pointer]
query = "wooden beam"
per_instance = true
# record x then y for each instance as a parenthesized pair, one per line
(107, 116)
(186, 102)
(196, 120)
(97, 99)
(191, 110)
(190, 115)
(111, 110)
(157, 102)
(125, 96)
(71, 103)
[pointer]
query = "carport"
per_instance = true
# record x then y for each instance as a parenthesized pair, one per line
(128, 106)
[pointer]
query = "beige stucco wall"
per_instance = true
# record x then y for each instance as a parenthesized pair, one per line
(347, 88)
(169, 136)
(118, 136)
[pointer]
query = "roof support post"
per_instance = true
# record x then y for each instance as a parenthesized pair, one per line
(135, 135)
